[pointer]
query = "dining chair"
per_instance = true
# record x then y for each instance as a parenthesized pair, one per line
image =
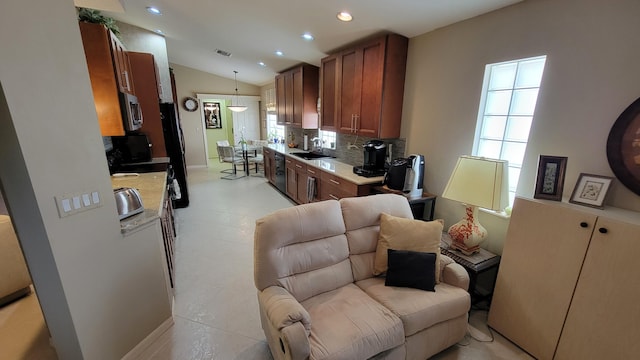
(227, 154)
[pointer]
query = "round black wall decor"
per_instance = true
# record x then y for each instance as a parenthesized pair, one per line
(623, 147)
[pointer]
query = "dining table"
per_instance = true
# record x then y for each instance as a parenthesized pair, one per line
(245, 151)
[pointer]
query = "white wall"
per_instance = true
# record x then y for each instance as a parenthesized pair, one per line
(101, 293)
(189, 82)
(591, 76)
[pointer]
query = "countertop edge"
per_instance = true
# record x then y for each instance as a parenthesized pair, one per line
(342, 170)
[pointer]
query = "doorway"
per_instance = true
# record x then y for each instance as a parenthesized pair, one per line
(234, 126)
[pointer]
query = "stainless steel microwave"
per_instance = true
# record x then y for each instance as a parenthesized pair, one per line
(131, 112)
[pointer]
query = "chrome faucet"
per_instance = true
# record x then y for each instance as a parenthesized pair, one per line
(317, 144)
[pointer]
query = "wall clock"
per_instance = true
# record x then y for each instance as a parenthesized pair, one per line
(623, 147)
(190, 104)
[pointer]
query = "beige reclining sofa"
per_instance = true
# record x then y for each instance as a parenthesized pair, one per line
(319, 297)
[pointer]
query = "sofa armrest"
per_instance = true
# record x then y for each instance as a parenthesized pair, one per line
(289, 323)
(453, 273)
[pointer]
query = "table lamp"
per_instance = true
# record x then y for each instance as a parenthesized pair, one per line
(476, 182)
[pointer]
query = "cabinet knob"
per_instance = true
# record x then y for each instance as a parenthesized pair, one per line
(603, 230)
(584, 224)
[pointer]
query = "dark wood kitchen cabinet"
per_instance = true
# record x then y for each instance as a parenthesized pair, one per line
(269, 164)
(110, 74)
(363, 87)
(169, 236)
(297, 96)
(296, 175)
(336, 188)
(148, 91)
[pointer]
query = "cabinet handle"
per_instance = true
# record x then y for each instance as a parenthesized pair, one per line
(584, 224)
(335, 182)
(355, 128)
(603, 230)
(126, 79)
(299, 166)
(351, 125)
(333, 197)
(311, 171)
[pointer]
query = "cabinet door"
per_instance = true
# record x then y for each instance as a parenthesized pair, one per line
(368, 118)
(143, 67)
(315, 173)
(297, 97)
(328, 92)
(349, 90)
(292, 182)
(288, 96)
(541, 260)
(603, 319)
(281, 106)
(301, 182)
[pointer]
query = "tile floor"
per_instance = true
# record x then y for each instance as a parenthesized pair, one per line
(215, 309)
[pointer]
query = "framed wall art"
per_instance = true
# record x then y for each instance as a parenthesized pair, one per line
(591, 190)
(623, 147)
(212, 118)
(550, 180)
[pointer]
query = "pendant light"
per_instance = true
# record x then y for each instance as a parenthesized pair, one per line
(237, 107)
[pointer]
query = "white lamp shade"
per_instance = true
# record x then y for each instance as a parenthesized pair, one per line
(479, 182)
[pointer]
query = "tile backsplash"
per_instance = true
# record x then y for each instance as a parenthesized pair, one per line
(342, 152)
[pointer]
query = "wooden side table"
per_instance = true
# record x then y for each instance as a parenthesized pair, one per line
(475, 264)
(423, 207)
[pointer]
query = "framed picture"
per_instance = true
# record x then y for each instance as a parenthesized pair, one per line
(211, 112)
(591, 190)
(623, 147)
(550, 180)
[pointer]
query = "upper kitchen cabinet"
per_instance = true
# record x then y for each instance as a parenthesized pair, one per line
(148, 92)
(297, 96)
(110, 74)
(362, 88)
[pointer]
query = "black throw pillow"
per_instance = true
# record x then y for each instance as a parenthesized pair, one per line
(411, 269)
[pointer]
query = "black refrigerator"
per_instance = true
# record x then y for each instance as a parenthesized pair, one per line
(174, 142)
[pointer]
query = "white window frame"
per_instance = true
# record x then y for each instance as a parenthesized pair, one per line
(513, 167)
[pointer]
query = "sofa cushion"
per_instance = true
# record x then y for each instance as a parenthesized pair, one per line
(411, 269)
(362, 222)
(407, 234)
(348, 324)
(303, 249)
(418, 309)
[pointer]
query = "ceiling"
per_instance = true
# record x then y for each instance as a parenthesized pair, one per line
(252, 30)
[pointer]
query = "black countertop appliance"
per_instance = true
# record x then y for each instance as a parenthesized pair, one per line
(375, 152)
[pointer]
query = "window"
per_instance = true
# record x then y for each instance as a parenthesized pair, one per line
(508, 101)
(274, 130)
(328, 139)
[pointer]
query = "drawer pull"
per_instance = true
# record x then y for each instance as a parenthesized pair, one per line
(584, 224)
(603, 230)
(299, 166)
(335, 182)
(311, 171)
(333, 197)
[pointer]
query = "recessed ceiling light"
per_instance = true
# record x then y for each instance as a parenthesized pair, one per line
(158, 31)
(262, 63)
(344, 16)
(279, 53)
(153, 10)
(307, 36)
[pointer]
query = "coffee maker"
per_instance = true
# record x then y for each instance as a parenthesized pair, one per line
(406, 175)
(375, 152)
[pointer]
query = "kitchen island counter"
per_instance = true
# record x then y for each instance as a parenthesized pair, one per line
(153, 189)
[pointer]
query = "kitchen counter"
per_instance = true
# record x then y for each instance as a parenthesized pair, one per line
(153, 188)
(332, 165)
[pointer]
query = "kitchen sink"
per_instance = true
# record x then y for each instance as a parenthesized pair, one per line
(310, 155)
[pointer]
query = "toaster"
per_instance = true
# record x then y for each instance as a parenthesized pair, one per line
(128, 202)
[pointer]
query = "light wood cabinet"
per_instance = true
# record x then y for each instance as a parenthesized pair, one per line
(297, 96)
(110, 74)
(551, 250)
(145, 70)
(362, 88)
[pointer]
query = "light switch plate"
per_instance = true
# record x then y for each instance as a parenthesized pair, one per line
(70, 204)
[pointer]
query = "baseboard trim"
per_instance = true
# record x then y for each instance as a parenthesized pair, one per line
(139, 349)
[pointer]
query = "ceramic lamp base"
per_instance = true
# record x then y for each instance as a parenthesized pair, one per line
(468, 233)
